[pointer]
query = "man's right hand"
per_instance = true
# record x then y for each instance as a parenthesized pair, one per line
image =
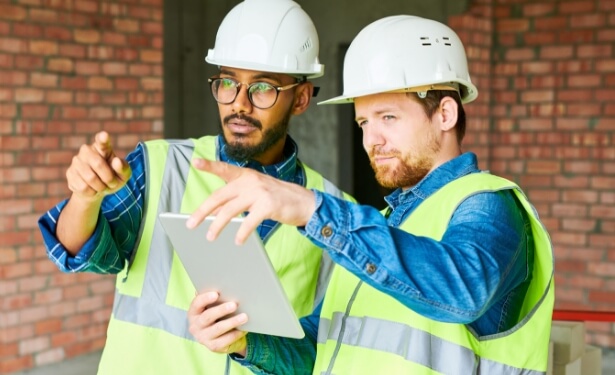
(96, 171)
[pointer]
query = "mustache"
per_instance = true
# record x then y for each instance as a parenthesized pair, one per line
(378, 150)
(252, 121)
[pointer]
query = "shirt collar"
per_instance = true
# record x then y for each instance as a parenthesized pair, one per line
(451, 170)
(284, 170)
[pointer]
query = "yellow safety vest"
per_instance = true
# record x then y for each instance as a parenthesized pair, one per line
(148, 330)
(379, 335)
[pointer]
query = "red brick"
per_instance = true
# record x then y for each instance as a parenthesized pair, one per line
(520, 54)
(151, 56)
(605, 95)
(592, 51)
(584, 109)
(113, 38)
(6, 61)
(58, 33)
(114, 68)
(64, 338)
(12, 12)
(100, 83)
(73, 50)
(87, 97)
(59, 97)
(587, 20)
(88, 68)
(534, 10)
(151, 28)
(11, 365)
(63, 65)
(43, 47)
(27, 30)
(574, 95)
(87, 36)
(559, 52)
(48, 326)
(551, 23)
(139, 11)
(585, 80)
(125, 83)
(50, 356)
(43, 15)
(87, 6)
(33, 345)
(8, 351)
(126, 25)
(576, 7)
(539, 38)
(113, 98)
(576, 36)
(12, 45)
(43, 80)
(605, 35)
(605, 65)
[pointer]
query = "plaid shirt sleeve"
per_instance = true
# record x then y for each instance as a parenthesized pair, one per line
(113, 240)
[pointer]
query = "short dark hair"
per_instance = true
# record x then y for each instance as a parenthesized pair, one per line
(431, 102)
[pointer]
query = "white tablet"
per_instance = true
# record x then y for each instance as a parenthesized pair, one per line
(240, 273)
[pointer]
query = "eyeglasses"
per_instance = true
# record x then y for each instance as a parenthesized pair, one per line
(262, 95)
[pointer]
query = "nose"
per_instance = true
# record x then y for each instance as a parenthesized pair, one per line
(372, 136)
(242, 102)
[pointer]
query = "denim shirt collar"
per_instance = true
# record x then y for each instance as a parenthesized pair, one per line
(284, 170)
(451, 170)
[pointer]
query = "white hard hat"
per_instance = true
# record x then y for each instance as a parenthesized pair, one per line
(268, 35)
(405, 54)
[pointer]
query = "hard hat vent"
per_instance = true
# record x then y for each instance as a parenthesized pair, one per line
(307, 45)
(426, 41)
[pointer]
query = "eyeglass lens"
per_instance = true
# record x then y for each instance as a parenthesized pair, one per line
(261, 94)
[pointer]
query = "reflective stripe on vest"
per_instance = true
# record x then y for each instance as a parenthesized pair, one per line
(381, 326)
(412, 344)
(145, 297)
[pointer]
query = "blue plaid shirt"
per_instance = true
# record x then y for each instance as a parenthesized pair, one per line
(117, 230)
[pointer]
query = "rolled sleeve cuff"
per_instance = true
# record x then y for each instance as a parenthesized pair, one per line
(57, 252)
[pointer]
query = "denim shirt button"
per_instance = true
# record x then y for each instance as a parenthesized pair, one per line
(370, 268)
(326, 231)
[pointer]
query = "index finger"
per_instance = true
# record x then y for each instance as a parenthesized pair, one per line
(201, 301)
(219, 197)
(225, 171)
(102, 144)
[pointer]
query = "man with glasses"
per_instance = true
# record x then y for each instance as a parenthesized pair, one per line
(109, 224)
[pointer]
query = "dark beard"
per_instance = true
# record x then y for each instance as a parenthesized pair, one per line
(240, 152)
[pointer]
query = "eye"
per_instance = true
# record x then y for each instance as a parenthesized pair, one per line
(388, 117)
(228, 83)
(361, 123)
(260, 88)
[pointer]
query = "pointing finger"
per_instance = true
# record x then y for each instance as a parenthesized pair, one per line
(102, 144)
(225, 171)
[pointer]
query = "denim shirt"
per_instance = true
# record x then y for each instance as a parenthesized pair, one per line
(477, 274)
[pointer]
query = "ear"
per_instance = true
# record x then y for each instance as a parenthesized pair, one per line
(303, 96)
(448, 113)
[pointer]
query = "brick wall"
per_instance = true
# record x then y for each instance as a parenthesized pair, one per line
(68, 68)
(545, 118)
(475, 29)
(553, 131)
